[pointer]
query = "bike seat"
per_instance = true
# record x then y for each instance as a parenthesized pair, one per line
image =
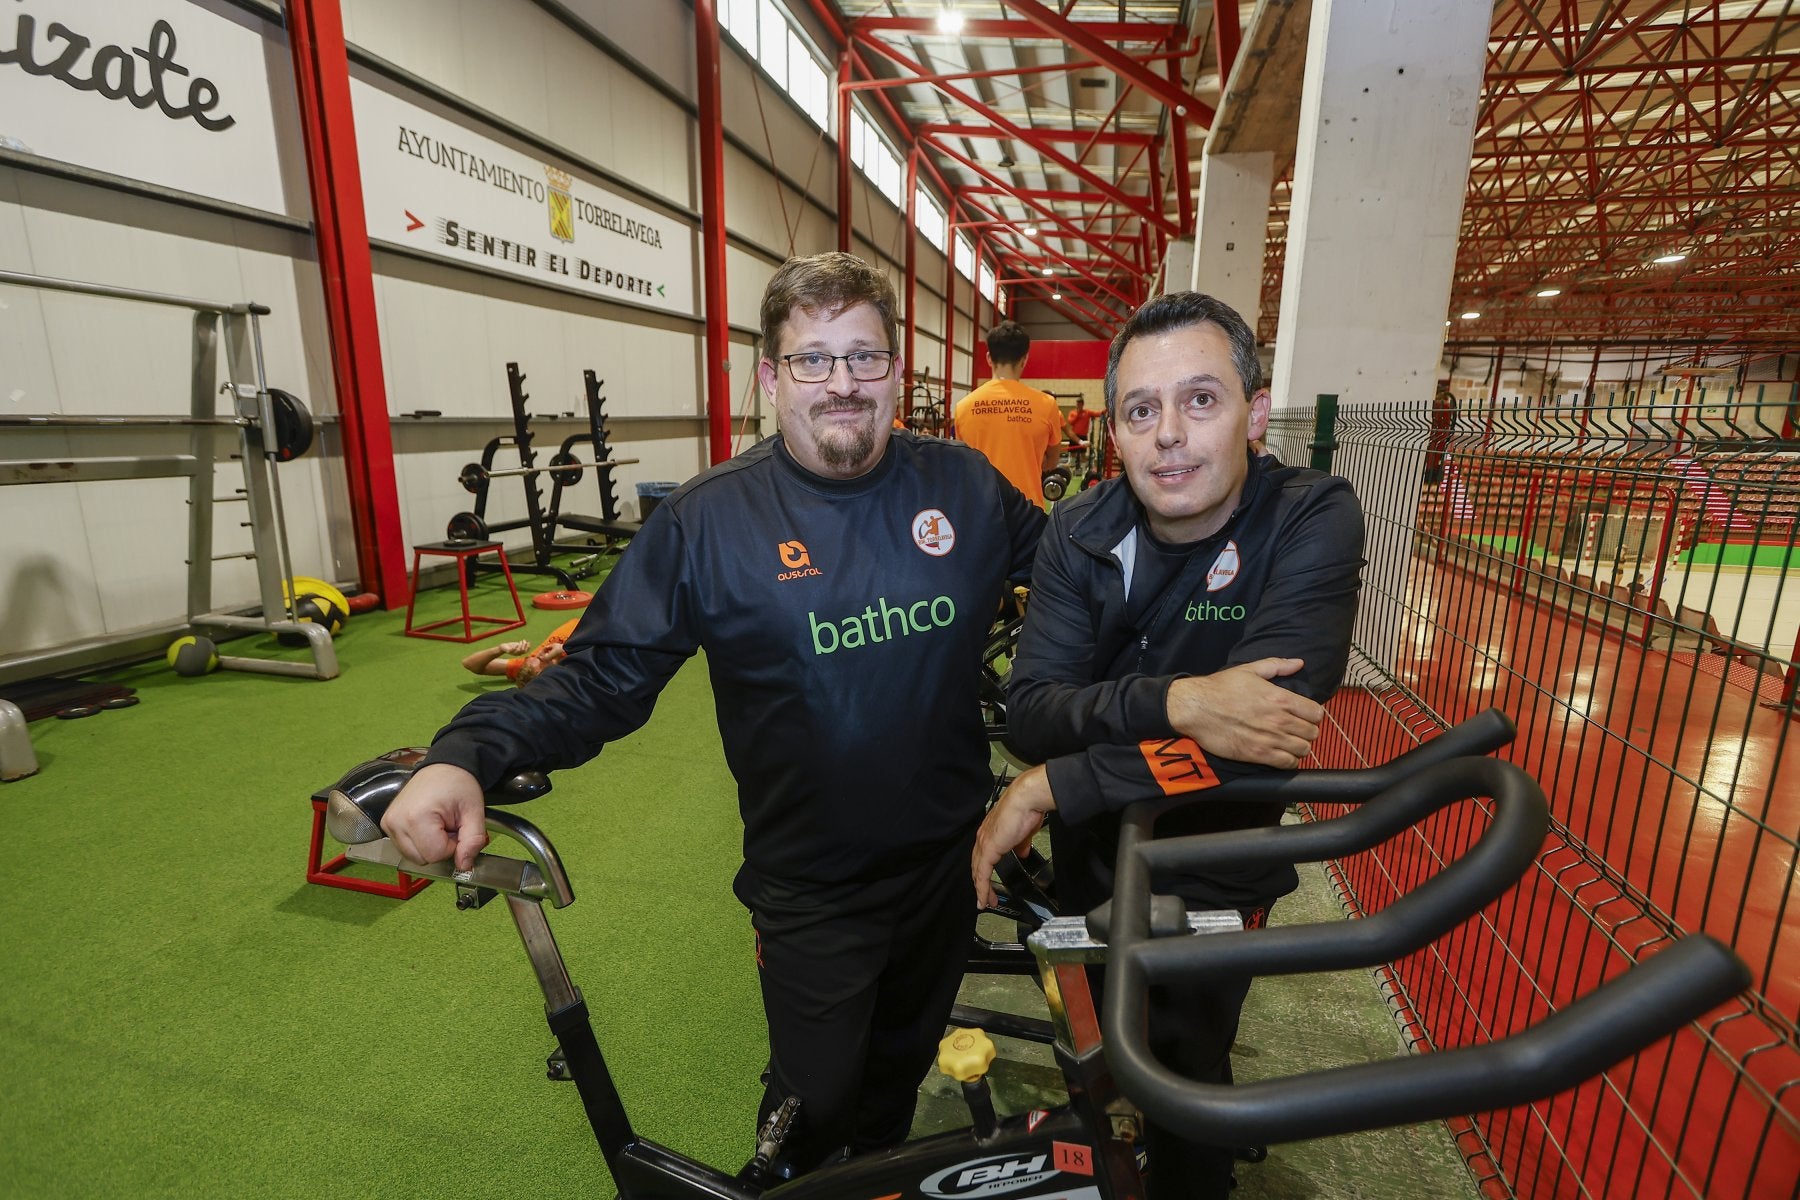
(369, 788)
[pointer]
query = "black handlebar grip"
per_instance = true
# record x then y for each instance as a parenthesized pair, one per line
(1481, 874)
(1649, 1002)
(1480, 734)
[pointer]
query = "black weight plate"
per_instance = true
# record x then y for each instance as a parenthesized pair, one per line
(293, 425)
(564, 478)
(466, 527)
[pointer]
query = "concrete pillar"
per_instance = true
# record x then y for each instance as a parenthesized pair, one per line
(1178, 267)
(1232, 226)
(1382, 164)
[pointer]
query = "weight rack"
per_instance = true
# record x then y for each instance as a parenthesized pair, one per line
(256, 416)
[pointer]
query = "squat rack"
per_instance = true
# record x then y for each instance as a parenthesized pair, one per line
(254, 415)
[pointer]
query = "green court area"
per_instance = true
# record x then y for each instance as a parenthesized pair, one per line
(1505, 543)
(1779, 555)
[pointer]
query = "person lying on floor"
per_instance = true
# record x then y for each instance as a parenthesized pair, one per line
(511, 660)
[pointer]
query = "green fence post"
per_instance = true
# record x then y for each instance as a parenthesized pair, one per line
(1324, 432)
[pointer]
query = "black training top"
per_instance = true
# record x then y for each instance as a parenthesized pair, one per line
(1090, 682)
(843, 623)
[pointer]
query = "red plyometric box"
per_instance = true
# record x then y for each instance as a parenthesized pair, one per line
(465, 553)
(327, 873)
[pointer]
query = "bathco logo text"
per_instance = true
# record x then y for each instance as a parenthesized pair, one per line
(885, 624)
(1206, 610)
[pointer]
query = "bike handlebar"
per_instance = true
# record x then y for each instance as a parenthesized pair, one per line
(1484, 732)
(1650, 1001)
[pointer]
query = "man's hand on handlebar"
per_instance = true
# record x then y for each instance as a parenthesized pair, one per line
(1009, 827)
(439, 813)
(1241, 713)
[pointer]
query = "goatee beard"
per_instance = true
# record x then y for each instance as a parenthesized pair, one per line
(847, 448)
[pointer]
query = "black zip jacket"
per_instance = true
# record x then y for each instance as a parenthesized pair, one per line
(843, 623)
(1089, 688)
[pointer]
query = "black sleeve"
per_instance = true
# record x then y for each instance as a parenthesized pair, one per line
(637, 632)
(1053, 706)
(1306, 611)
(1024, 526)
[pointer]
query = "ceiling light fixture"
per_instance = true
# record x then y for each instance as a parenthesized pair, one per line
(950, 20)
(1665, 259)
(1546, 293)
(1031, 231)
(1470, 315)
(1056, 295)
(1049, 270)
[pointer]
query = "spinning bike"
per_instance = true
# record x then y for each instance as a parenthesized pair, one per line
(1087, 1148)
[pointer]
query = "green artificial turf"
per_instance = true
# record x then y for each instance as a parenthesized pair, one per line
(185, 1015)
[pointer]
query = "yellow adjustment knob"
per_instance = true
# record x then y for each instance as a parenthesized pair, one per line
(965, 1054)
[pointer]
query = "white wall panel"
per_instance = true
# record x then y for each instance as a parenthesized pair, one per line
(653, 140)
(583, 114)
(49, 590)
(746, 275)
(505, 58)
(434, 350)
(412, 34)
(660, 37)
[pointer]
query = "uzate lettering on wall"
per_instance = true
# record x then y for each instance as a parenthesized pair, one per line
(62, 54)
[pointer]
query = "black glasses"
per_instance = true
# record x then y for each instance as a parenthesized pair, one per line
(866, 366)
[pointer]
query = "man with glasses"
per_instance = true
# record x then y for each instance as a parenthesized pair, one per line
(841, 577)
(1187, 622)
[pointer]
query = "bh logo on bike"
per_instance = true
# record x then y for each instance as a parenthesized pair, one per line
(992, 1176)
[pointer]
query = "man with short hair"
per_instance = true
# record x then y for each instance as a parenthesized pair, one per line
(1186, 623)
(1018, 427)
(841, 577)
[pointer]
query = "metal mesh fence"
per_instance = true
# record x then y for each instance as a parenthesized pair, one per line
(1622, 578)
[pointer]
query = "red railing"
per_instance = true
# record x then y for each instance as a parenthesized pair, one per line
(1559, 567)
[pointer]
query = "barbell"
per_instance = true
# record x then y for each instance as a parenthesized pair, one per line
(564, 469)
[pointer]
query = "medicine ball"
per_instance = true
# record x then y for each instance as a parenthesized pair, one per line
(193, 655)
(315, 608)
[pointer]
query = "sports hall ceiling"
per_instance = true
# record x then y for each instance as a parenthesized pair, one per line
(1610, 133)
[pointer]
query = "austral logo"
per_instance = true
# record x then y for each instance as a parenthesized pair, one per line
(933, 533)
(115, 72)
(892, 621)
(993, 1176)
(1223, 570)
(797, 561)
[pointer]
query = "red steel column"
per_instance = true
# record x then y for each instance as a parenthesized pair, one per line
(949, 302)
(334, 176)
(976, 324)
(845, 209)
(712, 233)
(1178, 146)
(911, 277)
